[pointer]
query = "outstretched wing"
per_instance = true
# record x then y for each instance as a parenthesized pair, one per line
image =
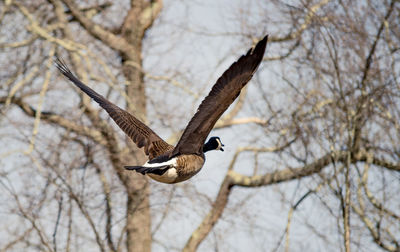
(223, 93)
(142, 135)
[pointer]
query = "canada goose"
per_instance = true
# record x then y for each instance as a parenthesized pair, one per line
(169, 164)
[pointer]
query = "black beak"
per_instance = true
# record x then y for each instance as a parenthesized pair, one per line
(221, 147)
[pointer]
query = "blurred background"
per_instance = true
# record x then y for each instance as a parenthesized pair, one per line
(312, 156)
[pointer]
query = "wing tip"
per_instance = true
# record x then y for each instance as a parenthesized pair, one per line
(260, 47)
(62, 67)
(256, 54)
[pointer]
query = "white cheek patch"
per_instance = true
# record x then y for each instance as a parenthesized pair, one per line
(219, 144)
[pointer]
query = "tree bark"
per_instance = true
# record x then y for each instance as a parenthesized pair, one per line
(140, 17)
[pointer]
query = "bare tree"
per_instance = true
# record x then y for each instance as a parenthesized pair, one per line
(316, 131)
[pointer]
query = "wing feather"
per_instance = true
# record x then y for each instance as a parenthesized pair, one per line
(141, 135)
(223, 93)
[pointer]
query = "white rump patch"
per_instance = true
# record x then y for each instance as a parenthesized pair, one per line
(171, 174)
(171, 162)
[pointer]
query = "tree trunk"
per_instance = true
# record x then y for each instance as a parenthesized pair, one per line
(138, 211)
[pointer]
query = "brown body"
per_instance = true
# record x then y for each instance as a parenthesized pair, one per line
(186, 167)
(169, 164)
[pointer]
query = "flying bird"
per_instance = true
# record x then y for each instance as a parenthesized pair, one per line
(166, 163)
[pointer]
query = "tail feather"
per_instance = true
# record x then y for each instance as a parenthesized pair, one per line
(160, 170)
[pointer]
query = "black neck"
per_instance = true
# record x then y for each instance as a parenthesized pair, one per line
(208, 146)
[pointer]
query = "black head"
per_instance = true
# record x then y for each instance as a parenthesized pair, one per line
(214, 143)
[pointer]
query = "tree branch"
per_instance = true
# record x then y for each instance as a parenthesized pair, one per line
(49, 117)
(284, 175)
(107, 198)
(307, 22)
(150, 13)
(361, 105)
(363, 156)
(99, 32)
(233, 178)
(239, 121)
